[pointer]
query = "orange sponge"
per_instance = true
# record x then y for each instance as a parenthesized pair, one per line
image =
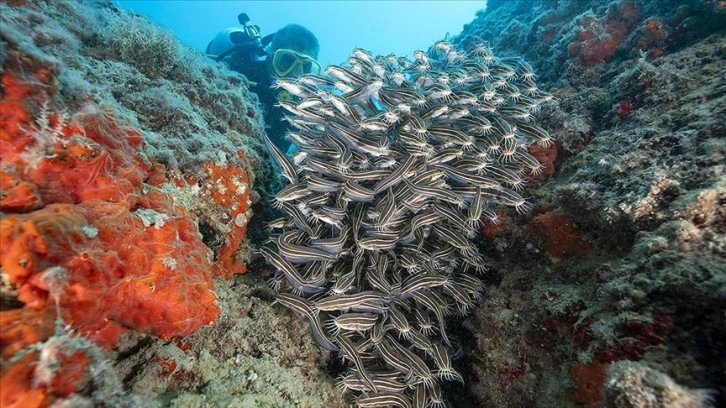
(230, 188)
(71, 194)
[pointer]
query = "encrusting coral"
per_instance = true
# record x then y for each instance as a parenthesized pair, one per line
(398, 160)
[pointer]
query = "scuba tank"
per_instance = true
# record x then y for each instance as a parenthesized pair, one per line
(244, 44)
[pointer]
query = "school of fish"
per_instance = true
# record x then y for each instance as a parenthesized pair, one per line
(397, 162)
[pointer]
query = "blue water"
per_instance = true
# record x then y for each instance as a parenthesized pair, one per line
(382, 27)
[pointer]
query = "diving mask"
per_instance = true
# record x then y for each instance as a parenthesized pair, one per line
(290, 63)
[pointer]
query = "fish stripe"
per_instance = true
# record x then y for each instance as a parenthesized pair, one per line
(288, 171)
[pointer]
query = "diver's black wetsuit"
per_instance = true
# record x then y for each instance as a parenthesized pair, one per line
(276, 127)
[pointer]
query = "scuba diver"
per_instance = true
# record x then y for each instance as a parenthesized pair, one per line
(287, 53)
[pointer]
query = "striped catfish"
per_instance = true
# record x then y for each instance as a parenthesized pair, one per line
(319, 215)
(334, 245)
(450, 135)
(384, 400)
(351, 302)
(445, 155)
(452, 215)
(303, 307)
(378, 281)
(464, 302)
(503, 174)
(443, 363)
(420, 397)
(420, 282)
(513, 199)
(301, 253)
(427, 299)
(416, 365)
(399, 322)
(357, 141)
(377, 243)
(349, 351)
(293, 277)
(357, 193)
(476, 207)
(531, 163)
(398, 161)
(344, 283)
(537, 133)
(321, 185)
(425, 325)
(453, 238)
(288, 171)
(438, 193)
(292, 192)
(345, 75)
(397, 175)
(358, 322)
(383, 384)
(420, 341)
(392, 357)
(334, 212)
(322, 166)
(467, 178)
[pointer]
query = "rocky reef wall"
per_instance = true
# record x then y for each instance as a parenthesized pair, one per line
(610, 293)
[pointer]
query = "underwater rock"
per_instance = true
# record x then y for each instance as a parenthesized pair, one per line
(635, 385)
(639, 179)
